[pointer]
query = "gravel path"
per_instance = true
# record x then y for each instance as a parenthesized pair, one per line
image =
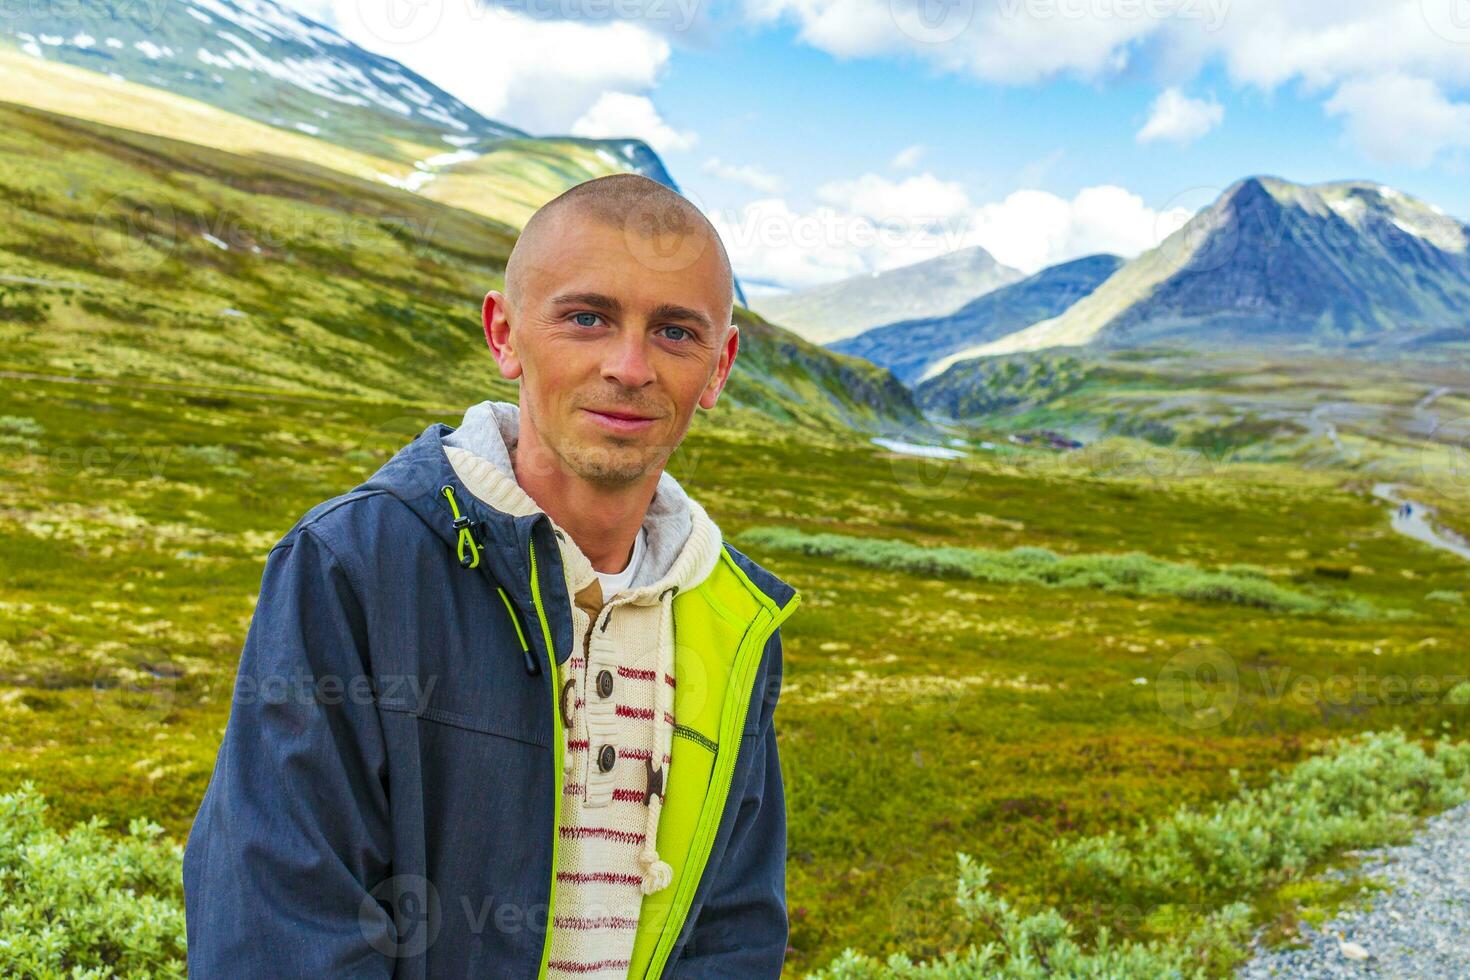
(1418, 931)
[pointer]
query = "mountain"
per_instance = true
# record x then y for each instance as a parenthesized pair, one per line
(258, 59)
(264, 61)
(156, 67)
(1344, 264)
(909, 347)
(933, 287)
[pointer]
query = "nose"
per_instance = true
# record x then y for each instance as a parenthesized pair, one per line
(626, 360)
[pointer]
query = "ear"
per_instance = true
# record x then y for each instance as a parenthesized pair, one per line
(711, 393)
(495, 317)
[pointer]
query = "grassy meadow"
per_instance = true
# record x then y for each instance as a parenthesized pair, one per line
(922, 713)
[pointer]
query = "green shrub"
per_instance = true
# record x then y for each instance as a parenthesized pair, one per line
(1362, 791)
(1133, 572)
(87, 904)
(1197, 869)
(1044, 945)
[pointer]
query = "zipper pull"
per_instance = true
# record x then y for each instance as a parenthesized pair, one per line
(466, 546)
(532, 667)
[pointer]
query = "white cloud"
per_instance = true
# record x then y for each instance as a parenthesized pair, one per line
(908, 157)
(616, 114)
(1396, 119)
(1177, 118)
(1033, 229)
(922, 199)
(540, 75)
(750, 176)
(771, 242)
(1340, 46)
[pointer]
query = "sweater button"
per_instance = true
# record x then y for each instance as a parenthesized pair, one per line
(606, 758)
(604, 683)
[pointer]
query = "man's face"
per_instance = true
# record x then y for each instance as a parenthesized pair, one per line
(615, 344)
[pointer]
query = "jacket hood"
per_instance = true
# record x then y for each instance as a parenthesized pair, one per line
(682, 542)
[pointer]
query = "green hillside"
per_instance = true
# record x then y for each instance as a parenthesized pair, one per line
(129, 256)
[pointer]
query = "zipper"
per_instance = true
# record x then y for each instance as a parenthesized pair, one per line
(709, 817)
(556, 757)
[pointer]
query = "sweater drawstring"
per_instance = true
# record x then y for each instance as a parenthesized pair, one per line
(657, 874)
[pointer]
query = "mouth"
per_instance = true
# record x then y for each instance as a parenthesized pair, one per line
(619, 421)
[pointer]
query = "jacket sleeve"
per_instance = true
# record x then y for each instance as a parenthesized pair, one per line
(742, 928)
(293, 831)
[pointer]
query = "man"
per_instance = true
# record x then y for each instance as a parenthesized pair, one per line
(505, 709)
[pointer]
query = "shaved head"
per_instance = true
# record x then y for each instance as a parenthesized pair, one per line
(661, 226)
(616, 320)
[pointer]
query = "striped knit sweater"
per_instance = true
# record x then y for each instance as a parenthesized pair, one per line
(617, 702)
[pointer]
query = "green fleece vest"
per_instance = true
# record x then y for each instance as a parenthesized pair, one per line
(721, 628)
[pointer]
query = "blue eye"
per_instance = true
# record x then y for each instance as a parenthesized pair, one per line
(678, 328)
(582, 323)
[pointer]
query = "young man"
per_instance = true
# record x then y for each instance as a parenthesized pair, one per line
(505, 709)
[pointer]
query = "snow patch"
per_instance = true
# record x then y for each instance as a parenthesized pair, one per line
(308, 128)
(152, 51)
(84, 40)
(916, 449)
(449, 159)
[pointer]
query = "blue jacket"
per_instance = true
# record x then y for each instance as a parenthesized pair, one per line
(385, 799)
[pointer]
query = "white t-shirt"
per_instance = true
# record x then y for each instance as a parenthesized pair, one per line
(615, 582)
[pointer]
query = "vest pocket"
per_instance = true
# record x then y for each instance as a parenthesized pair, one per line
(697, 737)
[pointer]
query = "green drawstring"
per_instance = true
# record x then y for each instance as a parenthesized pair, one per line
(520, 634)
(466, 538)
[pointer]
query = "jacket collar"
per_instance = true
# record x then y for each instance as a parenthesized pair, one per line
(683, 543)
(417, 474)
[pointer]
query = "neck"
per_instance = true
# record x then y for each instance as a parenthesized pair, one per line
(603, 521)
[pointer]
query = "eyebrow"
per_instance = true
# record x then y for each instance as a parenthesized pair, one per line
(664, 311)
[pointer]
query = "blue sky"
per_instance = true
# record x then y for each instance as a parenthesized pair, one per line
(832, 137)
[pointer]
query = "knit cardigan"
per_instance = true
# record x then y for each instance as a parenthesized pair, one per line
(616, 699)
